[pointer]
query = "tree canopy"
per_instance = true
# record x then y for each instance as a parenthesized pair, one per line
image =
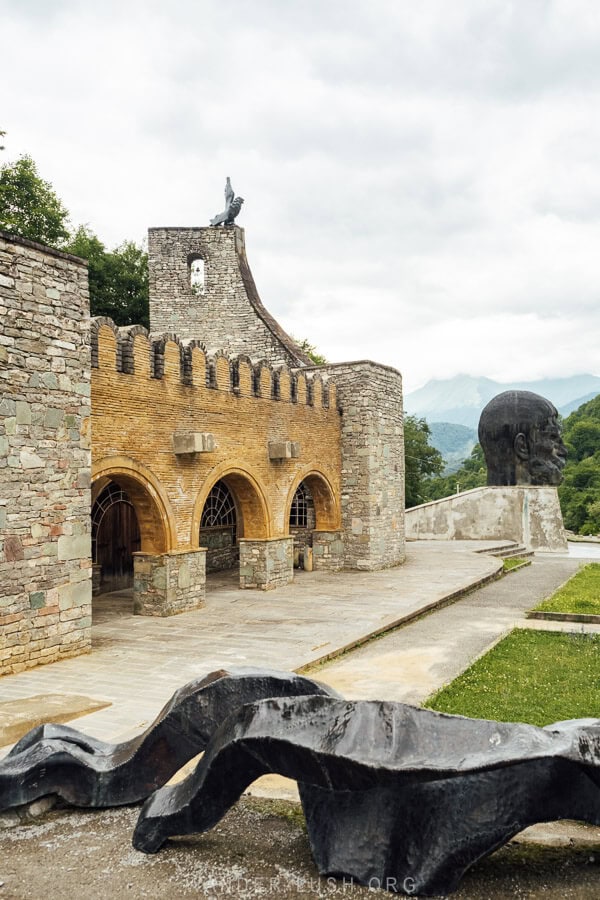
(580, 491)
(421, 460)
(311, 351)
(118, 278)
(472, 474)
(28, 205)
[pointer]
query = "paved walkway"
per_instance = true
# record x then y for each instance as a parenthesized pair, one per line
(138, 662)
(412, 662)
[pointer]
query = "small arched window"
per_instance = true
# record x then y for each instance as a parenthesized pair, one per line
(299, 509)
(197, 276)
(219, 510)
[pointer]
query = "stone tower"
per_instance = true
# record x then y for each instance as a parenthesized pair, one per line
(222, 308)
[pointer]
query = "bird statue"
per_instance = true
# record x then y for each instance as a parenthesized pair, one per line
(233, 205)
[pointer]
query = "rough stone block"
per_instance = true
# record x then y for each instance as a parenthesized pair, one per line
(30, 460)
(193, 442)
(74, 546)
(75, 595)
(37, 599)
(284, 450)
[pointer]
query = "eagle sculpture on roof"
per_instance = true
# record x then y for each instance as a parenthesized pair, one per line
(233, 205)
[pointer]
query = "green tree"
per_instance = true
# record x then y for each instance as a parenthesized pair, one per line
(472, 474)
(421, 459)
(311, 351)
(580, 491)
(118, 278)
(28, 205)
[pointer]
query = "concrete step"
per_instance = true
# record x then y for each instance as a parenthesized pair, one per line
(509, 552)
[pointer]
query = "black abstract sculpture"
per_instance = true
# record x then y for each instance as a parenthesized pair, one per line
(83, 771)
(520, 436)
(233, 206)
(394, 797)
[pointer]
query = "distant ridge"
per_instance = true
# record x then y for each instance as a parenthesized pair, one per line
(459, 400)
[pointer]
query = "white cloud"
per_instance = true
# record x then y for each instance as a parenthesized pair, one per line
(421, 180)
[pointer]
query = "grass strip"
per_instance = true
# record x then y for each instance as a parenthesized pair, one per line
(530, 676)
(513, 562)
(581, 594)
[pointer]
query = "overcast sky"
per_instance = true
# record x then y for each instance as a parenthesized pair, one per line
(422, 179)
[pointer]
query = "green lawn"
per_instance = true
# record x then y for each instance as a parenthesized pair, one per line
(512, 562)
(581, 594)
(530, 676)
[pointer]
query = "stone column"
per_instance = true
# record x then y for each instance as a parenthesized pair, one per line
(266, 564)
(328, 551)
(169, 583)
(372, 499)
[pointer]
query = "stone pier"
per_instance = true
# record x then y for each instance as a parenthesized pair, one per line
(169, 583)
(328, 551)
(266, 564)
(45, 543)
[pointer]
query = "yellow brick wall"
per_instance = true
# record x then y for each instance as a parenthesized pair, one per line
(135, 415)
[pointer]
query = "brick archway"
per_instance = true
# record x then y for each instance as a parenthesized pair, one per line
(327, 514)
(148, 497)
(255, 521)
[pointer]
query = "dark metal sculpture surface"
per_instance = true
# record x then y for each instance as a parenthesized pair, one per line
(520, 435)
(394, 796)
(233, 206)
(83, 771)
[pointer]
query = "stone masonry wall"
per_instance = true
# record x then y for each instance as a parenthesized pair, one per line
(372, 493)
(328, 551)
(45, 564)
(169, 583)
(266, 564)
(227, 313)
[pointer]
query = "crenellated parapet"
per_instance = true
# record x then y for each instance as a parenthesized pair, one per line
(132, 350)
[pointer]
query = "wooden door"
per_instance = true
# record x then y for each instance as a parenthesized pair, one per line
(117, 539)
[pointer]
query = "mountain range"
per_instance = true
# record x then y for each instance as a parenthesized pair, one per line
(459, 400)
(452, 407)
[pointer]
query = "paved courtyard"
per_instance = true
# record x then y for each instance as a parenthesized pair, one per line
(137, 662)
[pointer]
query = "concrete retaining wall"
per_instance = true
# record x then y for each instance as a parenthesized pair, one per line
(529, 515)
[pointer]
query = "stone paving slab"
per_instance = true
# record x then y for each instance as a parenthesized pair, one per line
(410, 664)
(137, 662)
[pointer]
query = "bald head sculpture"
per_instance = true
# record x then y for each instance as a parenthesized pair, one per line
(520, 436)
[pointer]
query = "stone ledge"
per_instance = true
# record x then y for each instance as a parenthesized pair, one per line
(564, 617)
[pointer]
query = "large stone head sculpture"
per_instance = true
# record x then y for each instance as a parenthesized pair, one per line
(520, 436)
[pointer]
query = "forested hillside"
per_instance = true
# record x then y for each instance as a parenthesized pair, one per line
(580, 491)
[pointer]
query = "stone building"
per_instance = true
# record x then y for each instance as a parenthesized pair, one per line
(215, 442)
(45, 565)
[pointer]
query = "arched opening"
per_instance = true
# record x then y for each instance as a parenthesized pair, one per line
(311, 507)
(197, 274)
(301, 521)
(231, 506)
(219, 529)
(130, 513)
(115, 538)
